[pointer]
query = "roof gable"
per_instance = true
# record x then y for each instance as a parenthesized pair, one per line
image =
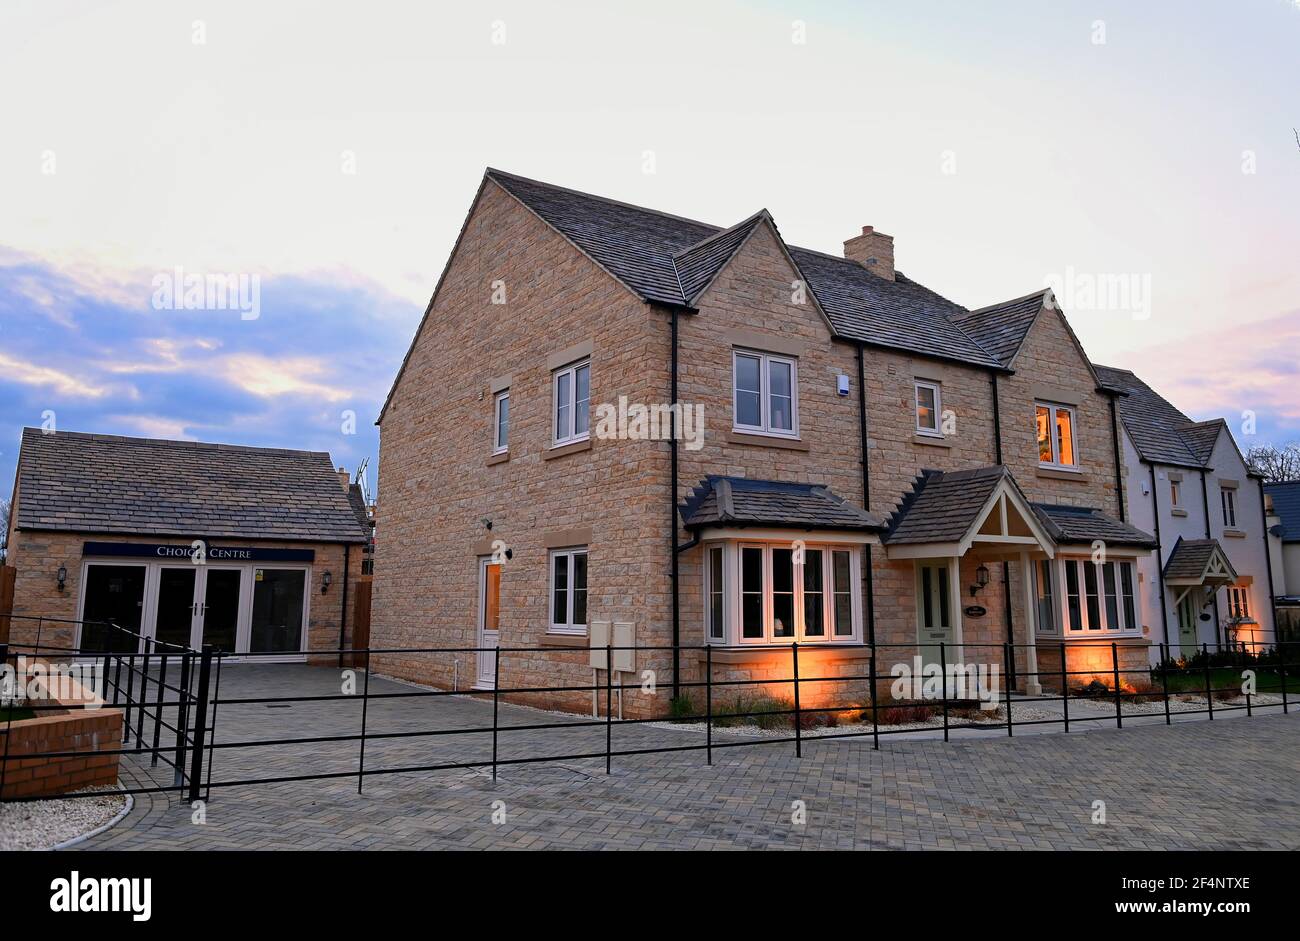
(1001, 328)
(1160, 432)
(960, 508)
(1197, 561)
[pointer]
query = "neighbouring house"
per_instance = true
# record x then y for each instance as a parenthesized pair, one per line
(105, 529)
(1283, 500)
(1187, 482)
(700, 435)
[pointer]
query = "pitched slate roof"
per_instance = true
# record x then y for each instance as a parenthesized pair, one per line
(741, 501)
(1074, 524)
(1001, 329)
(669, 259)
(1160, 432)
(1286, 504)
(942, 507)
(108, 484)
(1190, 556)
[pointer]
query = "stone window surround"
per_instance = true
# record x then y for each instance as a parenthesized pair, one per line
(765, 431)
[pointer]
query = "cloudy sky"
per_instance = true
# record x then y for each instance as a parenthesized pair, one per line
(331, 150)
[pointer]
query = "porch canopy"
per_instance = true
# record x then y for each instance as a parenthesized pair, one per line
(1198, 564)
(949, 514)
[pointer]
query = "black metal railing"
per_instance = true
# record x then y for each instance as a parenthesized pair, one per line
(150, 681)
(196, 696)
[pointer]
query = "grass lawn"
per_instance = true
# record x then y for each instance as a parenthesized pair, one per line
(1193, 680)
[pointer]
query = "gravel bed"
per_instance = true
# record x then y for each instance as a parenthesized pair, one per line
(45, 824)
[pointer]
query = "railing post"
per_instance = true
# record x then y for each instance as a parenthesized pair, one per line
(609, 699)
(1065, 689)
(798, 718)
(365, 710)
(182, 718)
(130, 688)
(1114, 663)
(943, 679)
(1164, 678)
(1007, 654)
(158, 707)
(144, 679)
(200, 722)
(1281, 668)
(708, 703)
(496, 702)
(875, 718)
(1209, 692)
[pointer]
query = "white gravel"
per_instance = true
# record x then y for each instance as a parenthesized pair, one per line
(46, 824)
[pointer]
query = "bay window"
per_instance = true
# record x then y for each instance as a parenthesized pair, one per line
(1098, 598)
(781, 595)
(1056, 436)
(765, 398)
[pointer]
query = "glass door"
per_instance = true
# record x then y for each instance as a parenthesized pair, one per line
(114, 594)
(177, 609)
(279, 601)
(219, 611)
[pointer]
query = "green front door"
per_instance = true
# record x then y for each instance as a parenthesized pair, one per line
(1187, 611)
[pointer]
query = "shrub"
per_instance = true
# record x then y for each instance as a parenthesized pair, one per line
(683, 709)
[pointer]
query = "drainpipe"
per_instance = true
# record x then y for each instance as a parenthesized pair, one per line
(343, 616)
(1114, 443)
(866, 495)
(1160, 552)
(1205, 505)
(1268, 559)
(672, 513)
(1006, 566)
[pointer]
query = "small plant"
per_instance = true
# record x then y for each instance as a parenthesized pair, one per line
(1093, 690)
(682, 709)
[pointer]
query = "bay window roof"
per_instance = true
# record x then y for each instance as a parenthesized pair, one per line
(743, 501)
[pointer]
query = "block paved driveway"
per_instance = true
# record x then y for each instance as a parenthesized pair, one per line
(1232, 784)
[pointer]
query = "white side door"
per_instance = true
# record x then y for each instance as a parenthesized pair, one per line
(489, 622)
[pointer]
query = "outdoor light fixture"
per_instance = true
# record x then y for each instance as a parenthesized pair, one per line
(981, 579)
(325, 580)
(63, 576)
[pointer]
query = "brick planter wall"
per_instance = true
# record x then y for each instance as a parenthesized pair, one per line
(77, 728)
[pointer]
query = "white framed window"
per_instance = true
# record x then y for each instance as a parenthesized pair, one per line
(1045, 590)
(1098, 598)
(568, 594)
(765, 394)
(1228, 497)
(572, 396)
(1056, 439)
(1239, 602)
(501, 423)
(929, 406)
(715, 592)
(778, 598)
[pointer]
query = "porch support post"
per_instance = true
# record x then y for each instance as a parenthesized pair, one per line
(955, 603)
(1032, 686)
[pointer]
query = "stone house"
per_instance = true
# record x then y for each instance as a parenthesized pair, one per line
(723, 445)
(1209, 584)
(104, 529)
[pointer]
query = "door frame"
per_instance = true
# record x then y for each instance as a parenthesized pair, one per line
(953, 568)
(485, 679)
(84, 584)
(1194, 610)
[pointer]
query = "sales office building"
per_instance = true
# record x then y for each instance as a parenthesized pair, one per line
(250, 550)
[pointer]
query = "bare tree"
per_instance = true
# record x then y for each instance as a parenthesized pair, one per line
(1275, 463)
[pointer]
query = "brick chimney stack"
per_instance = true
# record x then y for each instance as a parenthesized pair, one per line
(345, 478)
(872, 250)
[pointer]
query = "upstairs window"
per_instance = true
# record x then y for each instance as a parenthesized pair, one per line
(572, 389)
(1056, 436)
(928, 409)
(765, 396)
(1175, 493)
(1228, 497)
(501, 429)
